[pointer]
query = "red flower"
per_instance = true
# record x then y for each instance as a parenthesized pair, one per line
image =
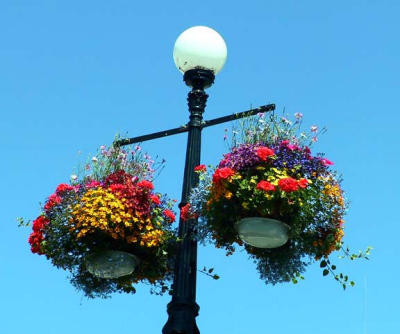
(35, 240)
(169, 214)
(222, 173)
(39, 223)
(63, 187)
(119, 176)
(303, 183)
(264, 152)
(265, 185)
(288, 184)
(155, 199)
(36, 237)
(186, 213)
(200, 168)
(53, 200)
(146, 185)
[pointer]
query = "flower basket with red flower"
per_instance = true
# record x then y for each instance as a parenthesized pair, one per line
(271, 195)
(109, 227)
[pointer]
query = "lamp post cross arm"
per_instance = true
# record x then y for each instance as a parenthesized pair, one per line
(185, 128)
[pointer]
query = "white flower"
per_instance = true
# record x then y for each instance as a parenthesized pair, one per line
(285, 120)
(298, 115)
(102, 147)
(94, 159)
(314, 128)
(74, 177)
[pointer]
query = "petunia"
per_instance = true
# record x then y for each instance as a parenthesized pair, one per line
(326, 162)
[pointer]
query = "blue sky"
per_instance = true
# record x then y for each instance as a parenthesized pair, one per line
(73, 74)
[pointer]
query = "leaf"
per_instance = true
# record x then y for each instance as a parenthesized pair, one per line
(344, 286)
(333, 267)
(215, 277)
(352, 283)
(210, 270)
(325, 272)
(322, 264)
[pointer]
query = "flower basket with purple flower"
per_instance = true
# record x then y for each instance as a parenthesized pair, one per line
(108, 227)
(272, 196)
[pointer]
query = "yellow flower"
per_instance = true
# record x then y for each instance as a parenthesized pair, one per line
(228, 195)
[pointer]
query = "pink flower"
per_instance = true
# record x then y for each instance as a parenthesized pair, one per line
(292, 147)
(93, 184)
(326, 162)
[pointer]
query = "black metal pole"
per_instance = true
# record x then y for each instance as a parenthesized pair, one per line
(183, 309)
(204, 124)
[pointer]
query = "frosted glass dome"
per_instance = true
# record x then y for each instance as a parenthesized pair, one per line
(200, 47)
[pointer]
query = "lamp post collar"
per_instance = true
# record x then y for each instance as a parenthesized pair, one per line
(199, 78)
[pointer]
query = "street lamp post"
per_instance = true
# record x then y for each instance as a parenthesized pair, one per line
(199, 54)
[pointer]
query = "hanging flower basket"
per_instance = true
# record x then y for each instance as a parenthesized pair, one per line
(108, 227)
(270, 194)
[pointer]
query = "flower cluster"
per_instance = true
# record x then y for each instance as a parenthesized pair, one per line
(277, 180)
(109, 208)
(272, 173)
